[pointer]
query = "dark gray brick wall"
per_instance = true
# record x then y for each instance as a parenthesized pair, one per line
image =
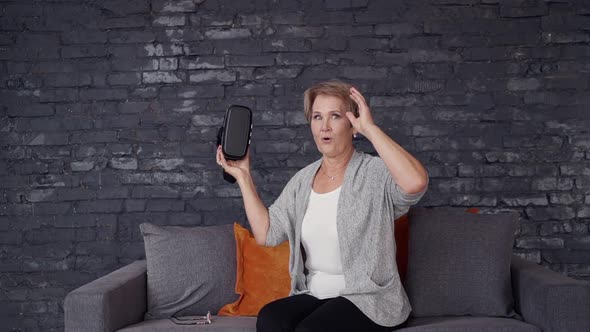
(109, 112)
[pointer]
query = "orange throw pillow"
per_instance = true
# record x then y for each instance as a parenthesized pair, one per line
(402, 233)
(262, 274)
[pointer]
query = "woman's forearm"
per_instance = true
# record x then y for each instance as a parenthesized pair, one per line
(406, 170)
(256, 212)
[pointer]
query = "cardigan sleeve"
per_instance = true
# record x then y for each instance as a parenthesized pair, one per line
(280, 215)
(401, 199)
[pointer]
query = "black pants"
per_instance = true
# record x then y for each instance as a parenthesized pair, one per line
(304, 312)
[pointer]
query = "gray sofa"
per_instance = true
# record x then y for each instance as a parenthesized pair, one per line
(546, 300)
(540, 299)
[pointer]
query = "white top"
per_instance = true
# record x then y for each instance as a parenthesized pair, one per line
(320, 240)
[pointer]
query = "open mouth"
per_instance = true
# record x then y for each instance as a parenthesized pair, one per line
(327, 139)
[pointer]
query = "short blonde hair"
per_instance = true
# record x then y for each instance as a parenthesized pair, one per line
(334, 88)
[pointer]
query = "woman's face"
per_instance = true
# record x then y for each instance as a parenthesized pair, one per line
(331, 129)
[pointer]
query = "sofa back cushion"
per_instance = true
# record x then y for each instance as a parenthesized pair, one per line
(459, 262)
(190, 270)
(402, 235)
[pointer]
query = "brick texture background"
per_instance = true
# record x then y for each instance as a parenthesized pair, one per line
(109, 112)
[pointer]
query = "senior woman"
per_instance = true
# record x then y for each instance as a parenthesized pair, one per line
(337, 214)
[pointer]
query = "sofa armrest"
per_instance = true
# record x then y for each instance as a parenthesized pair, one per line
(108, 303)
(548, 299)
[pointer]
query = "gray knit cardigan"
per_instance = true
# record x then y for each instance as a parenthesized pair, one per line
(369, 202)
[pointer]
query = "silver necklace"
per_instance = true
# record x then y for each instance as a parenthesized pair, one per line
(332, 178)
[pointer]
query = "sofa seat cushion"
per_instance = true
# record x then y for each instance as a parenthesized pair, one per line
(426, 324)
(220, 324)
(467, 324)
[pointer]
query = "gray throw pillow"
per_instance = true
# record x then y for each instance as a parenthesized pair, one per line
(190, 270)
(459, 262)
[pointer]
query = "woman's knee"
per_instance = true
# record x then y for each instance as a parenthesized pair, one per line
(265, 320)
(306, 326)
(284, 314)
(270, 319)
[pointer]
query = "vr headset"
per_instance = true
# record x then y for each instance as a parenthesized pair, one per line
(234, 136)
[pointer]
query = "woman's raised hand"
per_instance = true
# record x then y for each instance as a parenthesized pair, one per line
(364, 122)
(236, 168)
